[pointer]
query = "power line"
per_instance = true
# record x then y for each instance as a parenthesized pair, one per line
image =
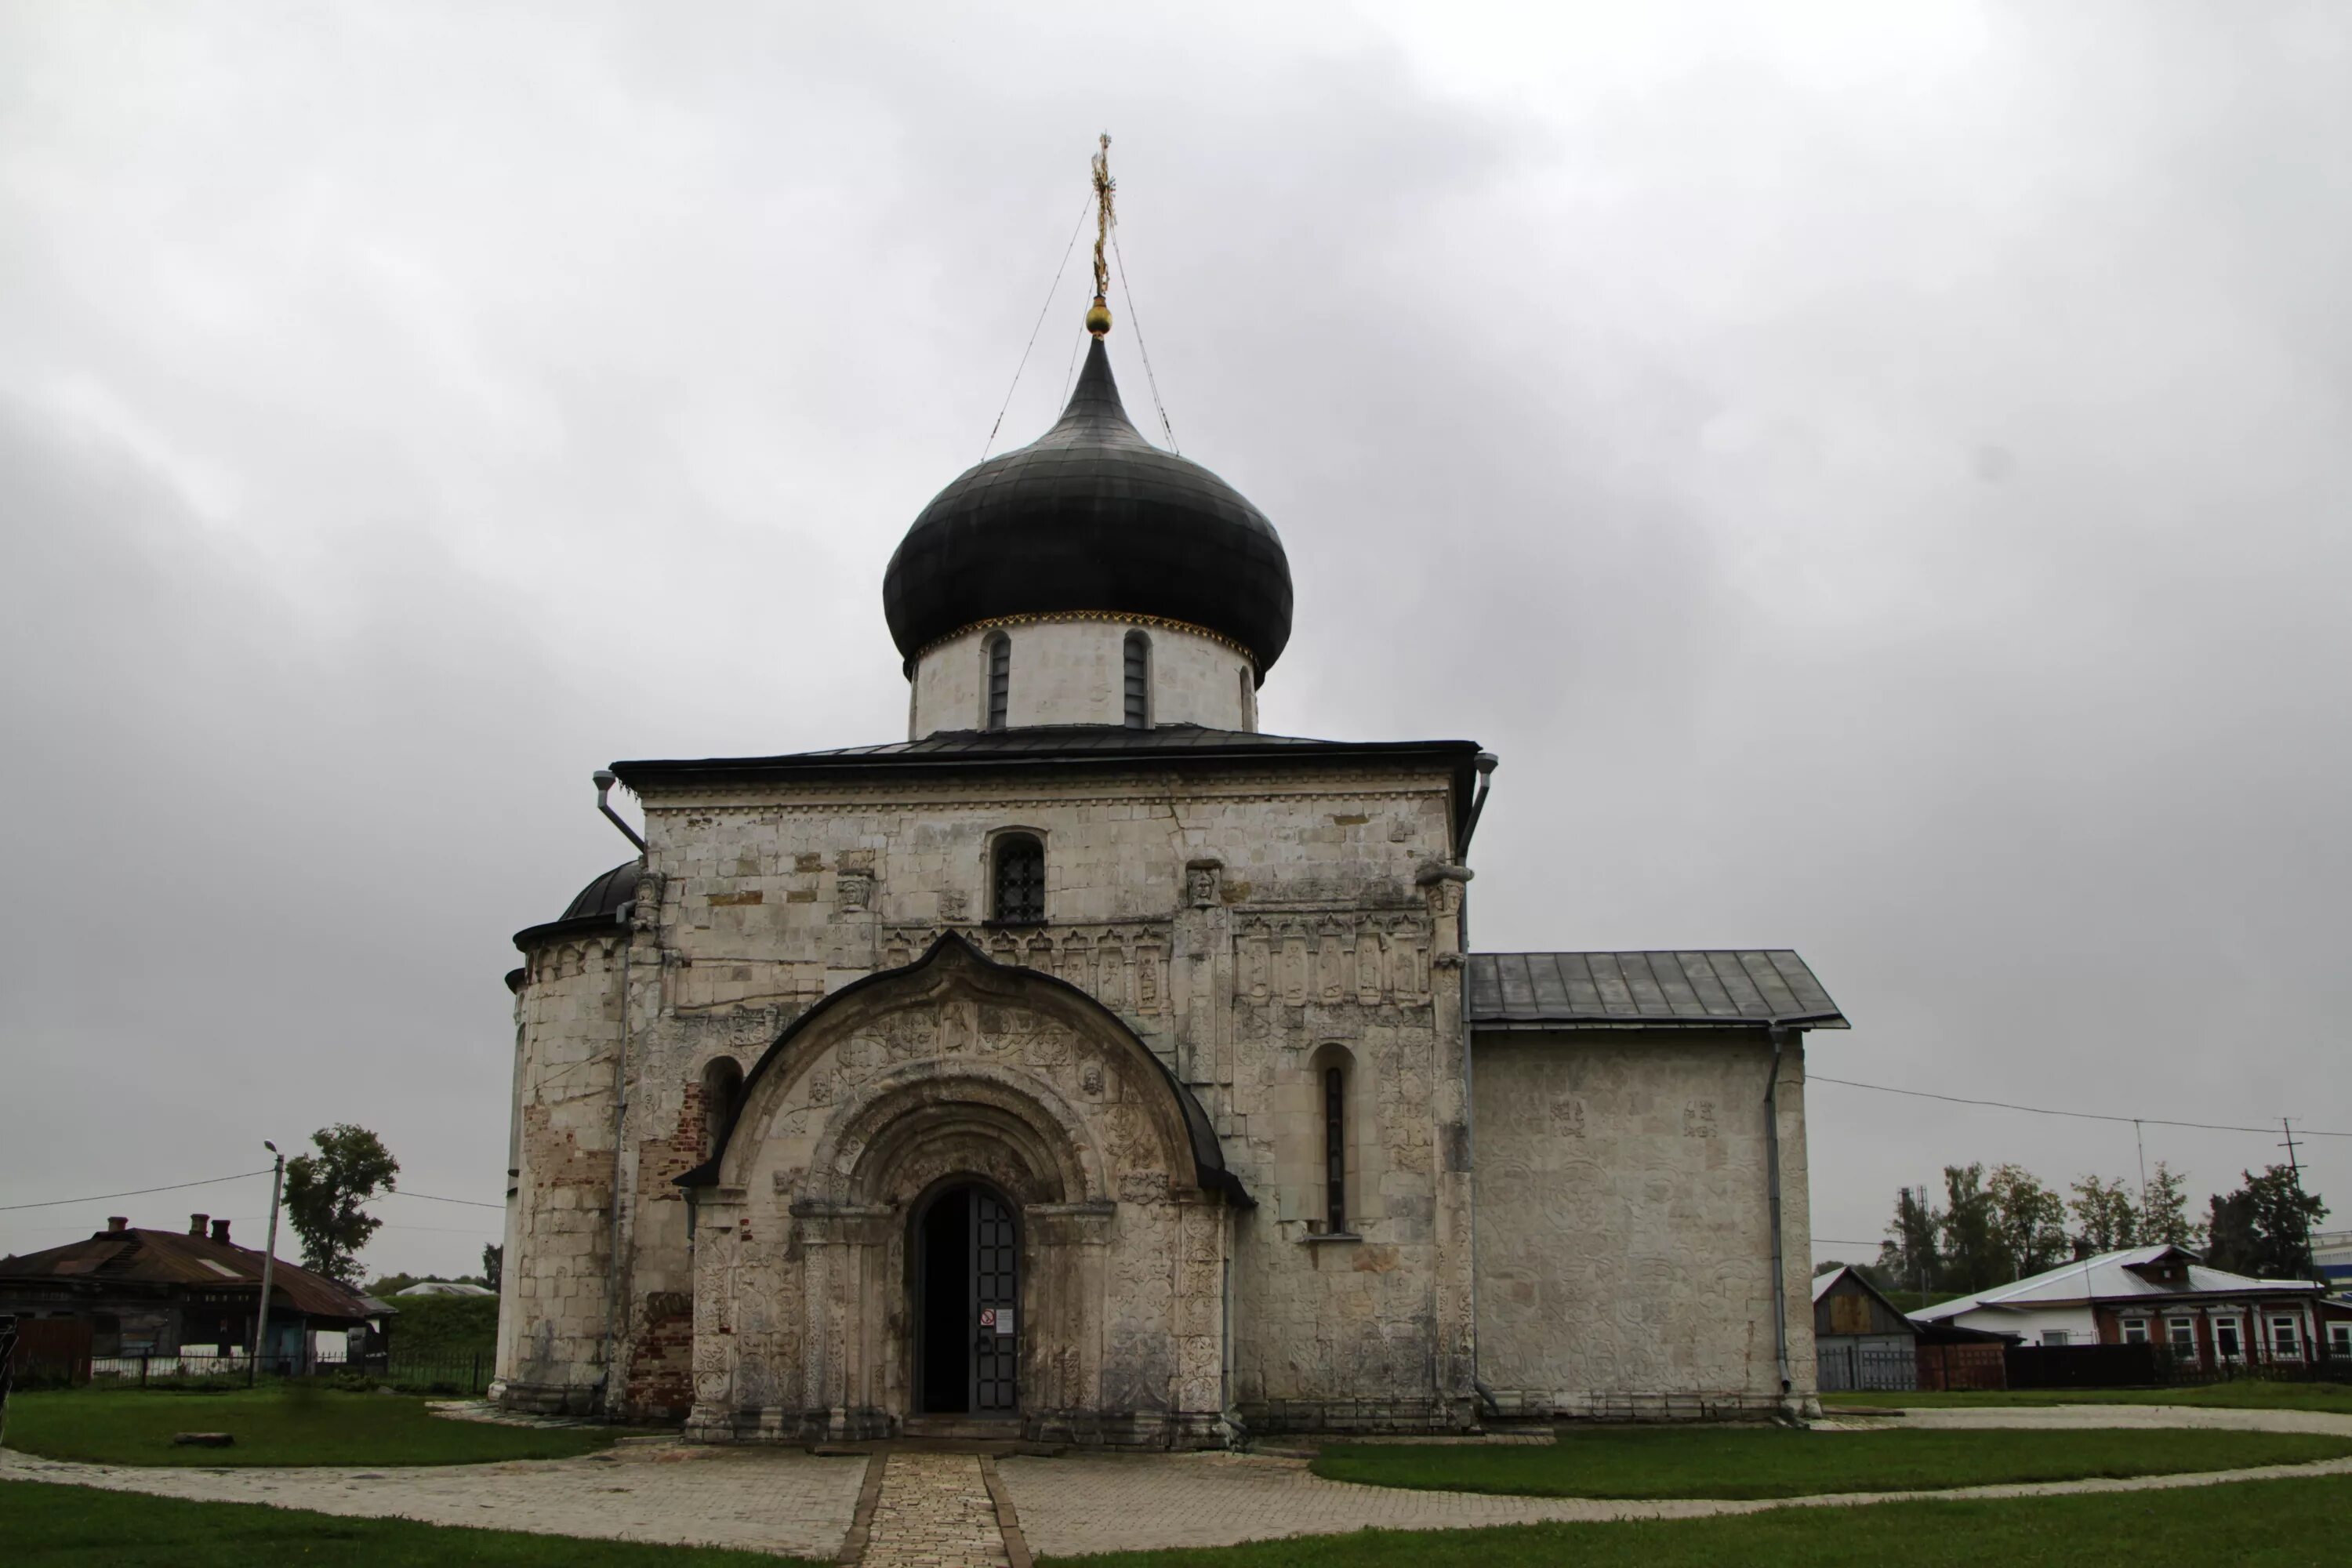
(2045, 1110)
(428, 1197)
(138, 1192)
(215, 1180)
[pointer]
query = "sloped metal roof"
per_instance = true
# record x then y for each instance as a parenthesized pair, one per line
(1033, 744)
(164, 1257)
(2115, 1276)
(1702, 986)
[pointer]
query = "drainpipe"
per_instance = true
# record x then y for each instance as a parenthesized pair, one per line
(1779, 1037)
(615, 1297)
(1779, 1031)
(1486, 762)
(605, 780)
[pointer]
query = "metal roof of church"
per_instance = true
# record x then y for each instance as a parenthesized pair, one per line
(1041, 743)
(1705, 986)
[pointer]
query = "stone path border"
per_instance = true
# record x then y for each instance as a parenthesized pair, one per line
(861, 1524)
(785, 1499)
(1008, 1523)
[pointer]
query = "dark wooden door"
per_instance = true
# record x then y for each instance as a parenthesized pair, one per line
(996, 1303)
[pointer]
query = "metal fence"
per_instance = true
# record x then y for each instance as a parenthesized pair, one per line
(451, 1374)
(1878, 1369)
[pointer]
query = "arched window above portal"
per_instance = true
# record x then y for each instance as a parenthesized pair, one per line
(1017, 880)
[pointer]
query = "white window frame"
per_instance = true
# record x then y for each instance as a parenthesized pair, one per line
(2286, 1334)
(2236, 1328)
(2056, 1339)
(2180, 1335)
(2135, 1330)
(2340, 1339)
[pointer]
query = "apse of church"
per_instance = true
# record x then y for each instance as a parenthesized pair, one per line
(1093, 1067)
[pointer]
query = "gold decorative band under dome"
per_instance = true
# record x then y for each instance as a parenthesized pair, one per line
(1048, 617)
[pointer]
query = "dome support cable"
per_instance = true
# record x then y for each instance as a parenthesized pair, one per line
(1128, 293)
(1053, 290)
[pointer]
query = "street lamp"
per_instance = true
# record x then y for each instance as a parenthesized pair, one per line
(268, 1264)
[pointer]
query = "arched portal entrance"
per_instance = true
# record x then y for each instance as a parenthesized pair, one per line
(967, 1302)
(961, 1189)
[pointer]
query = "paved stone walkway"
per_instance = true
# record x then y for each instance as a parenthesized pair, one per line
(942, 1511)
(934, 1511)
(1074, 1505)
(757, 1499)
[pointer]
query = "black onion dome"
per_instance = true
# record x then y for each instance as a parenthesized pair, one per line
(607, 893)
(1091, 516)
(597, 907)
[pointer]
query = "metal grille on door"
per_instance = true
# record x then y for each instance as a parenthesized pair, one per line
(996, 1297)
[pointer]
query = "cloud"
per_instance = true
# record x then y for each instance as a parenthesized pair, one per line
(1876, 481)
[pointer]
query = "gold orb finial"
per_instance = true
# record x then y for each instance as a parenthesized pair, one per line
(1099, 317)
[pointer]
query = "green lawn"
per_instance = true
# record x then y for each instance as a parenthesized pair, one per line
(2249, 1525)
(296, 1424)
(1773, 1462)
(69, 1527)
(2248, 1394)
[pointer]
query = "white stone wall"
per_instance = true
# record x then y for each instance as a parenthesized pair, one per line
(1238, 922)
(553, 1313)
(1249, 926)
(1623, 1251)
(1073, 671)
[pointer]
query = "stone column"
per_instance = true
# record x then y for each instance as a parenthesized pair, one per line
(1451, 1289)
(840, 1315)
(1199, 1319)
(1062, 1348)
(718, 1212)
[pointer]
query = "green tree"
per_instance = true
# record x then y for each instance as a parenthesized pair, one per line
(2230, 1232)
(1975, 1257)
(2106, 1218)
(2029, 1222)
(324, 1193)
(2164, 1212)
(494, 1259)
(1911, 1257)
(2269, 1222)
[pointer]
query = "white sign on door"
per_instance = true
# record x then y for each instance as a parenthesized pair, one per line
(1004, 1319)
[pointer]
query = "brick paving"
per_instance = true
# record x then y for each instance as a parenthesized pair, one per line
(935, 1510)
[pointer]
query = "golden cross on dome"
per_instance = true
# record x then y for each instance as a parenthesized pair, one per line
(1099, 314)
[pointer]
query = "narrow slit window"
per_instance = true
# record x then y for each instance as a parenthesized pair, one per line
(999, 665)
(1335, 1150)
(722, 1082)
(1019, 880)
(1138, 682)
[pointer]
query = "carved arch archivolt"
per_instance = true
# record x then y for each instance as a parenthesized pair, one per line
(955, 1039)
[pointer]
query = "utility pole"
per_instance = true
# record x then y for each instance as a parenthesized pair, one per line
(2295, 1178)
(2140, 1144)
(268, 1265)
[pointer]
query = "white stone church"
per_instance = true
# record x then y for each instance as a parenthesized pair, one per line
(1091, 1067)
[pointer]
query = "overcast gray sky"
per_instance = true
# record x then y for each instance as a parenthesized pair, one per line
(1877, 475)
